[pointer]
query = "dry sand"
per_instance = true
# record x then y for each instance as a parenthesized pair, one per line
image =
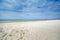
(30, 30)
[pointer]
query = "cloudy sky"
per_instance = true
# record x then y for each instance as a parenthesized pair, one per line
(29, 9)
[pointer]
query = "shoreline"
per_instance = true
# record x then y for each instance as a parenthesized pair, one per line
(4, 21)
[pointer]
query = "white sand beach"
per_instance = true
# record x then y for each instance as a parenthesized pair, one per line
(30, 30)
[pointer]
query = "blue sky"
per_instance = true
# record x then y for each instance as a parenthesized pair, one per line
(30, 9)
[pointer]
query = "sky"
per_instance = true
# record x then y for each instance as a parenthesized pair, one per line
(29, 9)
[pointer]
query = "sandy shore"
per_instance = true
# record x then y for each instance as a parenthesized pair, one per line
(30, 30)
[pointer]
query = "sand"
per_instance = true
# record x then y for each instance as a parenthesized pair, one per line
(30, 30)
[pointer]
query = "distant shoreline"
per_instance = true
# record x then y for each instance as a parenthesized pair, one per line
(7, 21)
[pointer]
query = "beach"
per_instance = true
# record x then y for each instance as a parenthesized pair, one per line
(30, 30)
